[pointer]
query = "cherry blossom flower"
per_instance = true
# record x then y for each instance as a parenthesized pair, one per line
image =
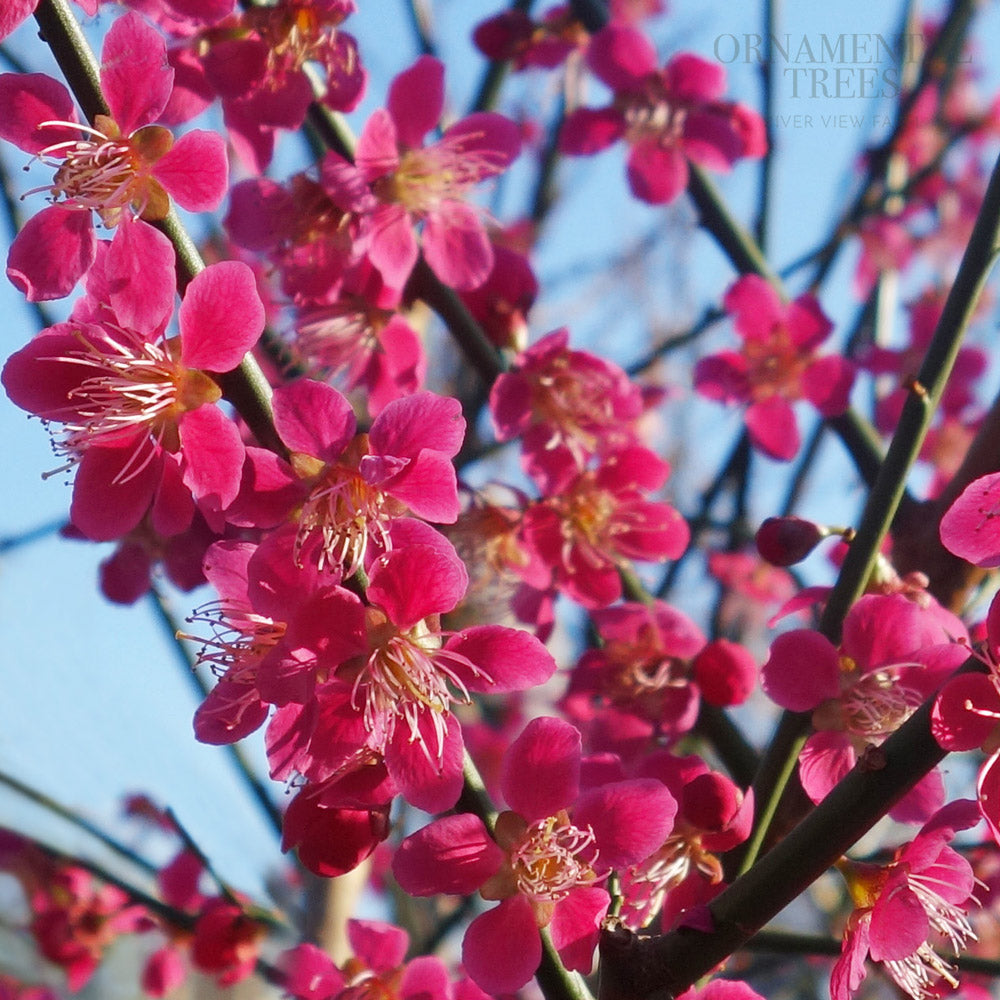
(418, 183)
(713, 815)
(375, 968)
(565, 401)
(314, 232)
(125, 166)
(260, 69)
(924, 892)
(373, 348)
(399, 675)
(552, 849)
(136, 409)
(655, 663)
(777, 365)
(348, 489)
(592, 521)
(893, 655)
(666, 116)
(512, 36)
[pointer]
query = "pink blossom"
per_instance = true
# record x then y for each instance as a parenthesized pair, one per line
(373, 348)
(125, 167)
(400, 673)
(592, 521)
(348, 489)
(666, 116)
(893, 655)
(552, 849)
(512, 36)
(136, 409)
(259, 70)
(314, 232)
(777, 365)
(565, 402)
(651, 663)
(418, 183)
(923, 893)
(713, 816)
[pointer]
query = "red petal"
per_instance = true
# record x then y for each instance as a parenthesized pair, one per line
(135, 75)
(195, 171)
(221, 317)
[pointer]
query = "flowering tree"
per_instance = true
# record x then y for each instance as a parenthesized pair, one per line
(571, 722)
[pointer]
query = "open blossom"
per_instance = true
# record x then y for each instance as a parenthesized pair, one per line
(777, 365)
(713, 815)
(591, 521)
(124, 165)
(376, 968)
(892, 656)
(561, 400)
(919, 897)
(135, 411)
(345, 490)
(655, 664)
(666, 116)
(553, 848)
(400, 673)
(429, 184)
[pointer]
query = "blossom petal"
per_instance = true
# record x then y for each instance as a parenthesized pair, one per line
(630, 819)
(510, 659)
(135, 76)
(221, 317)
(453, 855)
(104, 508)
(803, 669)
(431, 785)
(195, 171)
(51, 253)
(541, 770)
(772, 427)
(621, 57)
(970, 528)
(28, 99)
(502, 947)
(656, 174)
(139, 268)
(456, 245)
(899, 925)
(576, 925)
(416, 100)
(313, 418)
(213, 454)
(416, 581)
(827, 383)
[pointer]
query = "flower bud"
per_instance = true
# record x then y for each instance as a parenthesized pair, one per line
(784, 541)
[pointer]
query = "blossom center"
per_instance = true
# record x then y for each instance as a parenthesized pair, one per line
(434, 174)
(553, 857)
(240, 638)
(409, 677)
